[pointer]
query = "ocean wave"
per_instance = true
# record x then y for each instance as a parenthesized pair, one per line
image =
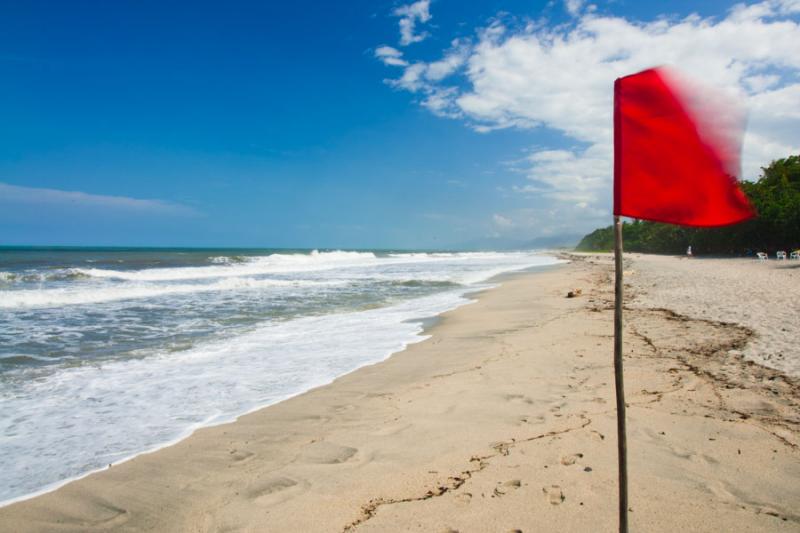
(411, 270)
(457, 255)
(26, 360)
(229, 259)
(37, 276)
(28, 298)
(66, 421)
(437, 283)
(64, 275)
(68, 424)
(245, 266)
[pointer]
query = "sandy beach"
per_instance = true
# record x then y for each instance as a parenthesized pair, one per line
(503, 420)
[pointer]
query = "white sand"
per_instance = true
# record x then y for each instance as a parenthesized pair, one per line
(764, 297)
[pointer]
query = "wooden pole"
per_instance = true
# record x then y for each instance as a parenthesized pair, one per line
(622, 447)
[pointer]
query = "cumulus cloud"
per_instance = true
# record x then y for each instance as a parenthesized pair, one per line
(410, 15)
(561, 77)
(390, 56)
(55, 198)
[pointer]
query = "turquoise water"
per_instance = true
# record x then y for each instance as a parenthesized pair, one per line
(106, 353)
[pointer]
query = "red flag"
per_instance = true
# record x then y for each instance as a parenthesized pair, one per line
(676, 153)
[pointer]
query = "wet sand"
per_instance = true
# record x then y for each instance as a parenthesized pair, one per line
(502, 421)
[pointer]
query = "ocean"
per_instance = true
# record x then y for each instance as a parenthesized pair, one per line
(108, 353)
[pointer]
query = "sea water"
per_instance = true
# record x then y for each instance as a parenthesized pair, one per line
(108, 353)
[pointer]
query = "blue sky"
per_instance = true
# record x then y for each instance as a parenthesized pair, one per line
(350, 124)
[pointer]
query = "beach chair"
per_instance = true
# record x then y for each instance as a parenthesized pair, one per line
(762, 256)
(780, 255)
(795, 254)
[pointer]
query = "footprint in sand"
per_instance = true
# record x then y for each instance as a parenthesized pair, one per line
(328, 453)
(503, 488)
(390, 430)
(517, 398)
(339, 409)
(464, 498)
(100, 514)
(571, 459)
(322, 419)
(532, 420)
(240, 456)
(554, 494)
(274, 490)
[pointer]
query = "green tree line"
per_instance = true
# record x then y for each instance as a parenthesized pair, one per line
(775, 196)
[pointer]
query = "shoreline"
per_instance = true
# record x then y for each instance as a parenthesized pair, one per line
(425, 323)
(507, 402)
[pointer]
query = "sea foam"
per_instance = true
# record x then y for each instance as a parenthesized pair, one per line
(94, 377)
(85, 418)
(31, 298)
(271, 264)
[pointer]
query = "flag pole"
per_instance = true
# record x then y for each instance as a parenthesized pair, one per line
(622, 448)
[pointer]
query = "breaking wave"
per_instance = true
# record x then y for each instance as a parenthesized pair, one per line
(243, 266)
(76, 296)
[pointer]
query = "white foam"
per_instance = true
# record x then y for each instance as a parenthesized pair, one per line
(85, 418)
(31, 298)
(271, 264)
(296, 263)
(81, 418)
(338, 267)
(462, 268)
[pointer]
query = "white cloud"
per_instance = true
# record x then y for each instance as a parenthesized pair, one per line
(390, 56)
(49, 198)
(410, 15)
(412, 78)
(561, 77)
(454, 58)
(525, 223)
(426, 78)
(565, 175)
(573, 6)
(439, 101)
